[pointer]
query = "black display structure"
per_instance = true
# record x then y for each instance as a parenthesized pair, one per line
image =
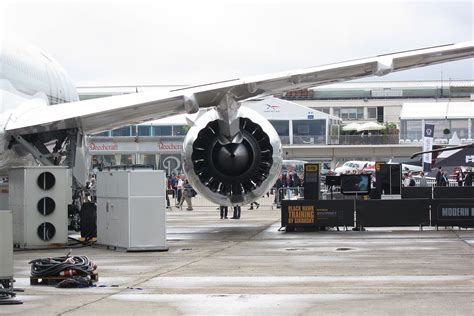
(311, 181)
(388, 178)
(355, 184)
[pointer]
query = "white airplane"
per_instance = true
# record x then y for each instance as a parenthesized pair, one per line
(232, 155)
(353, 166)
(369, 167)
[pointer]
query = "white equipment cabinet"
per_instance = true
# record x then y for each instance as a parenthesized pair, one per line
(38, 199)
(6, 247)
(131, 209)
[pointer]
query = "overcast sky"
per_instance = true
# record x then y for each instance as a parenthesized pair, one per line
(188, 42)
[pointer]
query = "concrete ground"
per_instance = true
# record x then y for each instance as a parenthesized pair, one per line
(248, 267)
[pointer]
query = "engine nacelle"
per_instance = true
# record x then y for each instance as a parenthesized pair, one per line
(233, 173)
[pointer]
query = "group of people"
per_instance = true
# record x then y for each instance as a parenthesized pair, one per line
(462, 179)
(292, 181)
(409, 181)
(179, 185)
(441, 179)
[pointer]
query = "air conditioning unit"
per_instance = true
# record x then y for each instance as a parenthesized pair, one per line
(38, 198)
(131, 209)
(6, 248)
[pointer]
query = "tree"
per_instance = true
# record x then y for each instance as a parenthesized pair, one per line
(446, 132)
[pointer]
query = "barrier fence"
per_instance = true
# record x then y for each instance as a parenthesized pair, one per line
(449, 207)
(199, 201)
(274, 197)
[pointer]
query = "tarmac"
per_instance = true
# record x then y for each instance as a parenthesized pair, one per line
(248, 267)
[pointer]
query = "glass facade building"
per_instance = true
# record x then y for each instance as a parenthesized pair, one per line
(455, 118)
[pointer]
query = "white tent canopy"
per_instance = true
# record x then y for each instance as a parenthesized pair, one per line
(360, 127)
(370, 126)
(437, 110)
(351, 127)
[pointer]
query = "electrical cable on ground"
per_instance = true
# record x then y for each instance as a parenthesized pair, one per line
(62, 266)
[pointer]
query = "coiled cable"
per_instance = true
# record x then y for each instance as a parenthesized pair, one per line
(62, 266)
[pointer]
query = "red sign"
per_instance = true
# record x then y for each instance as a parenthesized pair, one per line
(170, 146)
(102, 147)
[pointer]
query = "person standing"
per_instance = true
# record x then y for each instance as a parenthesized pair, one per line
(278, 191)
(439, 175)
(179, 190)
(223, 210)
(468, 178)
(93, 190)
(236, 212)
(459, 177)
(291, 185)
(187, 195)
(423, 182)
(406, 180)
(284, 182)
(174, 183)
(167, 190)
(297, 183)
(444, 179)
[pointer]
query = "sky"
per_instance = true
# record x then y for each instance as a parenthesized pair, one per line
(137, 42)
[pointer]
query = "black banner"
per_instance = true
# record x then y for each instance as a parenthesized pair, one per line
(314, 213)
(311, 181)
(453, 192)
(416, 192)
(387, 213)
(452, 212)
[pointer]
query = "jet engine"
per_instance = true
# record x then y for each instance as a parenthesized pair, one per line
(234, 172)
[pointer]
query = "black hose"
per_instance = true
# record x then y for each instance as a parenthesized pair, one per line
(52, 267)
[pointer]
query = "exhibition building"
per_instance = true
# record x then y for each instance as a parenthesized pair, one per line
(327, 124)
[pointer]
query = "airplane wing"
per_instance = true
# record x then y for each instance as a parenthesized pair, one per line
(440, 149)
(107, 113)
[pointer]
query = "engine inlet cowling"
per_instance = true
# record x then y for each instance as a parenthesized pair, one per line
(236, 172)
(234, 168)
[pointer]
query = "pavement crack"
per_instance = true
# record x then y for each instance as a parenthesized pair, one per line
(139, 282)
(462, 239)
